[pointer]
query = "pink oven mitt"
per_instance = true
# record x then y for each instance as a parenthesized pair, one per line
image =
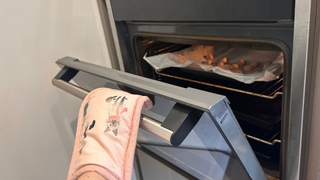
(106, 134)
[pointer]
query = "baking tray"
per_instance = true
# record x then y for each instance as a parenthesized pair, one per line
(194, 57)
(196, 71)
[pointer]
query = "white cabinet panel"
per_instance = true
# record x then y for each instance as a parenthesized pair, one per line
(38, 120)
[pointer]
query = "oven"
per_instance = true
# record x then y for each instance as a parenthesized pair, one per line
(205, 126)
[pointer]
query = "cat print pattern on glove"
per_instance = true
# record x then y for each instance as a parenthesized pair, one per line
(116, 108)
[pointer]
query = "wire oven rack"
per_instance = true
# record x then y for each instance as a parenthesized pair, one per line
(269, 138)
(269, 90)
(269, 152)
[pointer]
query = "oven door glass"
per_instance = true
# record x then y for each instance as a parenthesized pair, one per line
(196, 133)
(204, 154)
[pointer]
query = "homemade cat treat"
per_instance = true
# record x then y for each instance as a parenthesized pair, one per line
(209, 56)
(224, 60)
(248, 68)
(211, 61)
(266, 64)
(226, 66)
(234, 66)
(220, 64)
(237, 71)
(241, 62)
(254, 64)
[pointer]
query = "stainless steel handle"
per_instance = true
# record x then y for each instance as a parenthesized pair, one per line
(146, 123)
(176, 126)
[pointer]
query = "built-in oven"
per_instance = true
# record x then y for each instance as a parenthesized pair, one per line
(205, 126)
(259, 107)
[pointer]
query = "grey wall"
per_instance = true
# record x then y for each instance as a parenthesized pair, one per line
(38, 120)
(313, 168)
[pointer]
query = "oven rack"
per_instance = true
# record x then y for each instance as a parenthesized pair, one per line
(145, 42)
(263, 142)
(268, 90)
(269, 141)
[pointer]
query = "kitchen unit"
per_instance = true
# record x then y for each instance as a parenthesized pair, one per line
(192, 129)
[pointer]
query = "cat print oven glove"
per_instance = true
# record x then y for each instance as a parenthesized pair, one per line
(106, 134)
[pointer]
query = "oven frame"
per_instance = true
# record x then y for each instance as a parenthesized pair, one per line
(297, 97)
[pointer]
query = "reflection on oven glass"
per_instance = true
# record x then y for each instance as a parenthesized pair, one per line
(204, 154)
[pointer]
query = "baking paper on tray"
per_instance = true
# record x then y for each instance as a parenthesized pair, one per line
(194, 57)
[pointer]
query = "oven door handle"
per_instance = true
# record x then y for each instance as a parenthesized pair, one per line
(146, 123)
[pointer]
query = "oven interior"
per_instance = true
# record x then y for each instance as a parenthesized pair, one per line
(257, 106)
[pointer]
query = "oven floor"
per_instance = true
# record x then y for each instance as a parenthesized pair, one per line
(270, 167)
(271, 178)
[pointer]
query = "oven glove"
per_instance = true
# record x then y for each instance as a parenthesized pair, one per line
(106, 134)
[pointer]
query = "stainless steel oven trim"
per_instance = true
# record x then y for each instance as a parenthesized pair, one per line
(114, 34)
(294, 150)
(105, 32)
(214, 106)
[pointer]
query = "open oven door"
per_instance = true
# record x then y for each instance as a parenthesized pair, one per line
(195, 131)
